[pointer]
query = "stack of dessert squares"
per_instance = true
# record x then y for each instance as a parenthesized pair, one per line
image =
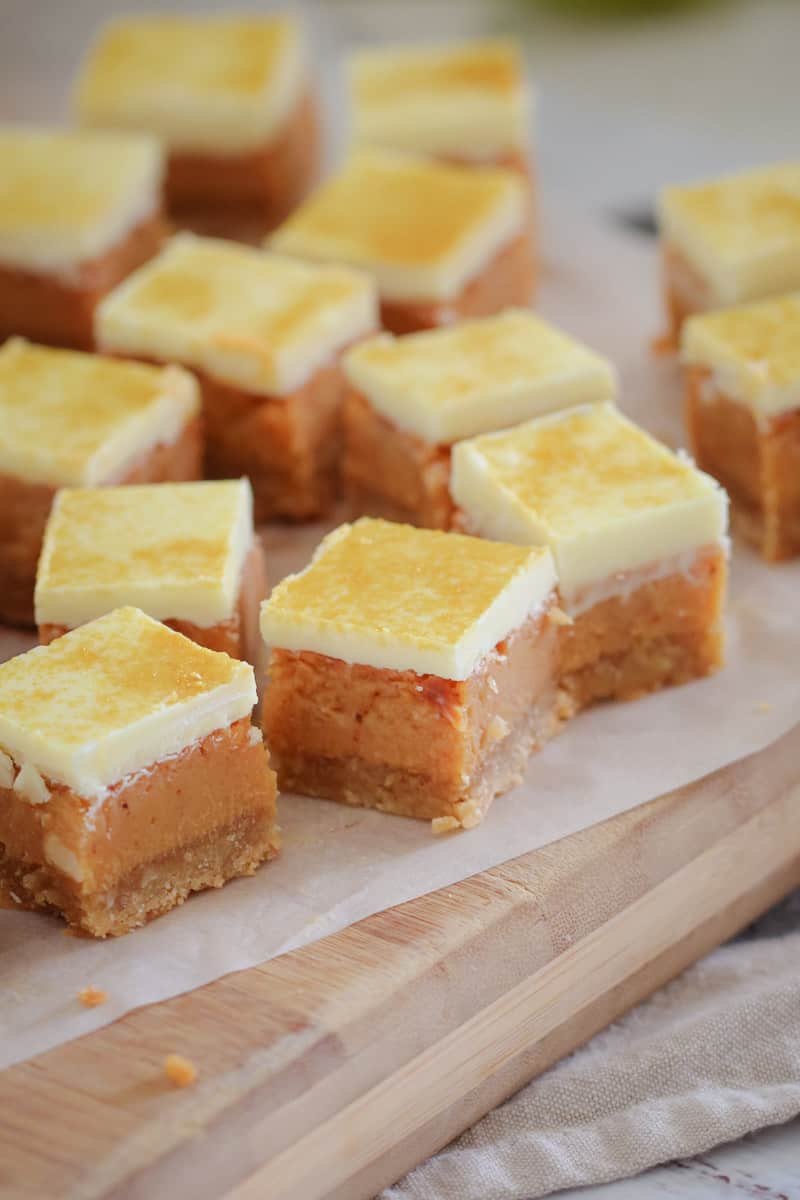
(199, 337)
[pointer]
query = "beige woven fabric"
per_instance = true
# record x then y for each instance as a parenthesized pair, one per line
(711, 1057)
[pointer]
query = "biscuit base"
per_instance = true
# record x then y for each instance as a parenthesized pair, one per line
(758, 463)
(25, 507)
(185, 824)
(60, 311)
(508, 280)
(239, 636)
(245, 196)
(414, 745)
(662, 633)
(387, 472)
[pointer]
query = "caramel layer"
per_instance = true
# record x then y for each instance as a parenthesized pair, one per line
(93, 864)
(397, 726)
(254, 191)
(389, 473)
(666, 631)
(757, 463)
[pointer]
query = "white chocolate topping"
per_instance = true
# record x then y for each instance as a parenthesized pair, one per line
(402, 599)
(114, 697)
(453, 383)
(221, 85)
(424, 229)
(753, 353)
(68, 197)
(260, 322)
(600, 492)
(466, 99)
(741, 233)
(73, 418)
(175, 550)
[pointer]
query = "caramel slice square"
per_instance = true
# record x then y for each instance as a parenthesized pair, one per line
(412, 671)
(743, 414)
(79, 210)
(442, 241)
(68, 418)
(130, 775)
(409, 399)
(228, 95)
(185, 553)
(638, 535)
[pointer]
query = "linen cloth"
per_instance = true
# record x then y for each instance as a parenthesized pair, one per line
(709, 1058)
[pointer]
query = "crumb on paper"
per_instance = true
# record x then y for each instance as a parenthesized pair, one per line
(559, 617)
(92, 997)
(469, 814)
(764, 706)
(663, 345)
(180, 1071)
(441, 825)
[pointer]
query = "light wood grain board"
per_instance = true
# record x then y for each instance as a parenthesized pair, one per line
(332, 1070)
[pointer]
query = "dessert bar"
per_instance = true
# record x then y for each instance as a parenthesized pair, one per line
(462, 101)
(263, 333)
(638, 535)
(411, 670)
(409, 399)
(185, 553)
(130, 775)
(743, 414)
(78, 212)
(68, 418)
(442, 241)
(730, 241)
(231, 99)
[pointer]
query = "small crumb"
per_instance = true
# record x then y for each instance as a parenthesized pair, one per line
(92, 997)
(30, 785)
(444, 825)
(179, 1070)
(663, 345)
(254, 735)
(559, 617)
(469, 814)
(764, 707)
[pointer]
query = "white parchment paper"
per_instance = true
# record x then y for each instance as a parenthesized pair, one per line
(338, 864)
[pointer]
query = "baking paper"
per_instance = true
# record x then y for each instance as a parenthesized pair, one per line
(341, 864)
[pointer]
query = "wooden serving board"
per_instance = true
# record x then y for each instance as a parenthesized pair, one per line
(330, 1071)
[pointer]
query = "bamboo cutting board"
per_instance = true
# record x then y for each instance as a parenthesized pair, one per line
(327, 1073)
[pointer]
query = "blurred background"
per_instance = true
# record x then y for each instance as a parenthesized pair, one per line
(631, 94)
